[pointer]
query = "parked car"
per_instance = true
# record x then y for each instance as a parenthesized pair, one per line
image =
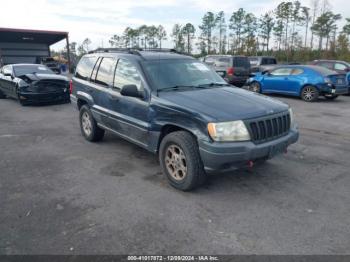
(51, 63)
(33, 83)
(338, 66)
(262, 63)
(234, 69)
(307, 81)
(178, 107)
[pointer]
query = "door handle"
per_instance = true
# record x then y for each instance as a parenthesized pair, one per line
(114, 98)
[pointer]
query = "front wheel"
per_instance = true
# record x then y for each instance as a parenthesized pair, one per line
(255, 87)
(309, 94)
(88, 125)
(180, 161)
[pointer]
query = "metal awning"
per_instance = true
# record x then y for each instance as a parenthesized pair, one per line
(31, 36)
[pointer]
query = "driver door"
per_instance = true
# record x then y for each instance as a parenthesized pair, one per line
(277, 80)
(129, 116)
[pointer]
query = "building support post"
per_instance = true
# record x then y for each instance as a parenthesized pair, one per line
(68, 53)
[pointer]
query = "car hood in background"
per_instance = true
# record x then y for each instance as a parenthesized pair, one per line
(225, 103)
(37, 77)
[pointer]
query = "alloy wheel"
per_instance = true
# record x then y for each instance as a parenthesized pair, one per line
(86, 123)
(175, 162)
(309, 93)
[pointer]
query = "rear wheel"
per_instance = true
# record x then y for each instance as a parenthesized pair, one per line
(255, 87)
(309, 94)
(88, 125)
(180, 161)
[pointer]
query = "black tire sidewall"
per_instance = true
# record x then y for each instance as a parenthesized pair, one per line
(191, 180)
(259, 87)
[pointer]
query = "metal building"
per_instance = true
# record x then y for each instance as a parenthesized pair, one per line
(28, 46)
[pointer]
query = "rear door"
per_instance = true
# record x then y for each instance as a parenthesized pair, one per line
(277, 81)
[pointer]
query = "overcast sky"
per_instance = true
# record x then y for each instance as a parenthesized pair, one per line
(99, 20)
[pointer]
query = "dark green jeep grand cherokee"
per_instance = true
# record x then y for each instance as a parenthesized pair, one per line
(176, 106)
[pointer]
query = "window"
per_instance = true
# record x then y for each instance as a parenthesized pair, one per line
(281, 72)
(339, 66)
(85, 66)
(126, 74)
(241, 62)
(297, 71)
(326, 65)
(105, 72)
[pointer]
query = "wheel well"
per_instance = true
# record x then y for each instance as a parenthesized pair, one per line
(301, 89)
(167, 129)
(80, 103)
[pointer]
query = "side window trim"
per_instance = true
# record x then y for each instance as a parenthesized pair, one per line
(94, 72)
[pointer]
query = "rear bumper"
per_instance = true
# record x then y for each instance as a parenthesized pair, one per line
(44, 97)
(334, 89)
(237, 80)
(228, 156)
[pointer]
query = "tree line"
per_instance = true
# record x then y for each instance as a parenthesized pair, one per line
(291, 32)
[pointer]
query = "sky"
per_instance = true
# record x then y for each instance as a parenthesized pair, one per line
(99, 20)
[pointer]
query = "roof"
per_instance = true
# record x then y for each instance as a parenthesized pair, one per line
(15, 35)
(142, 54)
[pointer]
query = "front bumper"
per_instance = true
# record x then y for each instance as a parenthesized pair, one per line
(228, 156)
(29, 97)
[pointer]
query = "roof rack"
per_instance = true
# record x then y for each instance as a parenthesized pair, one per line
(135, 51)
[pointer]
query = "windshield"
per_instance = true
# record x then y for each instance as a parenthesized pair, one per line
(253, 60)
(21, 70)
(184, 73)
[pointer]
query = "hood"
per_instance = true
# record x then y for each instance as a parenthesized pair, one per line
(225, 104)
(37, 77)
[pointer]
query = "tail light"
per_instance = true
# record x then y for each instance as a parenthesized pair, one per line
(70, 86)
(230, 71)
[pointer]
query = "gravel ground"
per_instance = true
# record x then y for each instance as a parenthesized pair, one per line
(60, 194)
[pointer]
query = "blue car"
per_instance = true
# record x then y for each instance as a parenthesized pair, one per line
(306, 81)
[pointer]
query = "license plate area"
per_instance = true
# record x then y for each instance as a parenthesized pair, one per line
(277, 149)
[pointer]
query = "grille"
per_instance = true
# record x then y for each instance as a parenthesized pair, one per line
(269, 128)
(50, 85)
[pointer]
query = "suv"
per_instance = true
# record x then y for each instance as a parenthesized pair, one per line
(262, 63)
(177, 107)
(338, 66)
(234, 69)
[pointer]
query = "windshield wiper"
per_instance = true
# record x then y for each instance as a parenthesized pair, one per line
(178, 87)
(213, 84)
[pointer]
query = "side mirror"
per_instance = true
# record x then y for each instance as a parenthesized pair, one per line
(130, 90)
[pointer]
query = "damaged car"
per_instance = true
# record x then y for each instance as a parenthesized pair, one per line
(33, 83)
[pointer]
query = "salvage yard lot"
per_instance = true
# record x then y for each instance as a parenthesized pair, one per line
(60, 194)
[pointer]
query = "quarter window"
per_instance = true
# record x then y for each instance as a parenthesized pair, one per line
(339, 66)
(281, 72)
(105, 72)
(297, 71)
(85, 66)
(126, 74)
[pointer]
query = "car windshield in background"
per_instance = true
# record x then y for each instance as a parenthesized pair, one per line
(21, 70)
(323, 71)
(166, 74)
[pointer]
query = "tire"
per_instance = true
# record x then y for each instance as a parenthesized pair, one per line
(255, 87)
(309, 94)
(179, 153)
(2, 95)
(88, 125)
(331, 97)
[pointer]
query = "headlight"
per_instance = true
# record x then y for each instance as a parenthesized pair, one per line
(291, 115)
(327, 80)
(228, 131)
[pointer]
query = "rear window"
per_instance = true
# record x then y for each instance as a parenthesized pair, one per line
(323, 71)
(241, 62)
(85, 67)
(268, 61)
